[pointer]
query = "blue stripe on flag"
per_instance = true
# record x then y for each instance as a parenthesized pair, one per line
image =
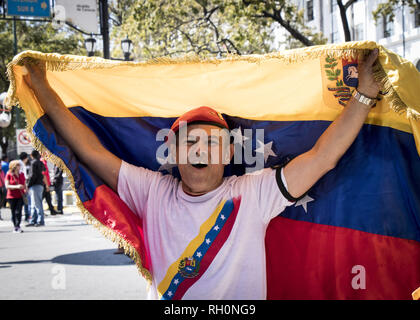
(375, 187)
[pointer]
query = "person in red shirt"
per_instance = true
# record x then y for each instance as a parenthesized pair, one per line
(16, 188)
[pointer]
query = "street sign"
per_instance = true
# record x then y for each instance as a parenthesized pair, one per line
(23, 141)
(32, 8)
(81, 13)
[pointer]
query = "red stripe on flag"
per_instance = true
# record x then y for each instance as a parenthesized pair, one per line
(211, 253)
(312, 261)
(108, 208)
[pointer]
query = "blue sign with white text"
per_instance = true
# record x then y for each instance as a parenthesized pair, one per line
(33, 8)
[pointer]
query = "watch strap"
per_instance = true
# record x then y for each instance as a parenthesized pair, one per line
(360, 97)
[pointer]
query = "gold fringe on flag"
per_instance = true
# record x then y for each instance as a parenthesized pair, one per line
(398, 91)
(56, 62)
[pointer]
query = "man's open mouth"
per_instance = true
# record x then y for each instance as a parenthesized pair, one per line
(199, 165)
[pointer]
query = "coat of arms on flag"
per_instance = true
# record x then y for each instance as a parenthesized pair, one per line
(339, 80)
(189, 267)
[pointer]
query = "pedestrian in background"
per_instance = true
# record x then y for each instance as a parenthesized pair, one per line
(4, 164)
(57, 183)
(4, 170)
(3, 191)
(16, 190)
(36, 183)
(47, 194)
(23, 160)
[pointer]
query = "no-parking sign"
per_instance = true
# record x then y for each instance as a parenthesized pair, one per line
(23, 141)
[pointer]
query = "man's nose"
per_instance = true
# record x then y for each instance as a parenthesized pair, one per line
(201, 148)
(200, 152)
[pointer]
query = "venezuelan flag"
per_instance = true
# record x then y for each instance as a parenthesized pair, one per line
(356, 235)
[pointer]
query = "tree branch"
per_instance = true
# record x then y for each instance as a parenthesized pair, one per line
(344, 21)
(232, 44)
(286, 24)
(349, 3)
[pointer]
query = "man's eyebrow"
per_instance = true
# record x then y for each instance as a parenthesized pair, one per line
(209, 138)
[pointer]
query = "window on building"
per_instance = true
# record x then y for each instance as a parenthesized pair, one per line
(358, 32)
(417, 16)
(388, 27)
(334, 37)
(310, 10)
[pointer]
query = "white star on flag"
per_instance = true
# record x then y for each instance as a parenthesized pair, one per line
(222, 217)
(238, 137)
(165, 165)
(176, 281)
(169, 293)
(265, 149)
(199, 254)
(304, 202)
(208, 241)
(216, 227)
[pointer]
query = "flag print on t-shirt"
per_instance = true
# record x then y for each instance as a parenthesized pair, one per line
(200, 252)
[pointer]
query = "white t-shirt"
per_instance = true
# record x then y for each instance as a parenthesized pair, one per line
(209, 246)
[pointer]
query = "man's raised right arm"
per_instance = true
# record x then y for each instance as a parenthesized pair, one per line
(79, 137)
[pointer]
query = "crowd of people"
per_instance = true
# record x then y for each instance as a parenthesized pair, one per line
(24, 183)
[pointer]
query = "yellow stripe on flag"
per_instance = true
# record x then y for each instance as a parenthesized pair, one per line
(293, 85)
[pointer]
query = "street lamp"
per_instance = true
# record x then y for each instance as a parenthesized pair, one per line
(90, 44)
(5, 117)
(126, 46)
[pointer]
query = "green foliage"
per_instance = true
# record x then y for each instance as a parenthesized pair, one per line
(38, 36)
(205, 27)
(387, 9)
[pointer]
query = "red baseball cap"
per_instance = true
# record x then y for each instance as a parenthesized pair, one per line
(203, 115)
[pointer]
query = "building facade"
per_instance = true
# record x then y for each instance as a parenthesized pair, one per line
(401, 35)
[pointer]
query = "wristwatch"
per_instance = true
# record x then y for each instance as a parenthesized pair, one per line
(364, 99)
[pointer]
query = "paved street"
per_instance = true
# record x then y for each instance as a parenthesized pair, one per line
(66, 259)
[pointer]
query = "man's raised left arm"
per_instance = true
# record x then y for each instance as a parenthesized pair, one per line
(306, 169)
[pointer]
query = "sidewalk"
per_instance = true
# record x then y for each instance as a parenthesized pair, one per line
(65, 259)
(70, 213)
